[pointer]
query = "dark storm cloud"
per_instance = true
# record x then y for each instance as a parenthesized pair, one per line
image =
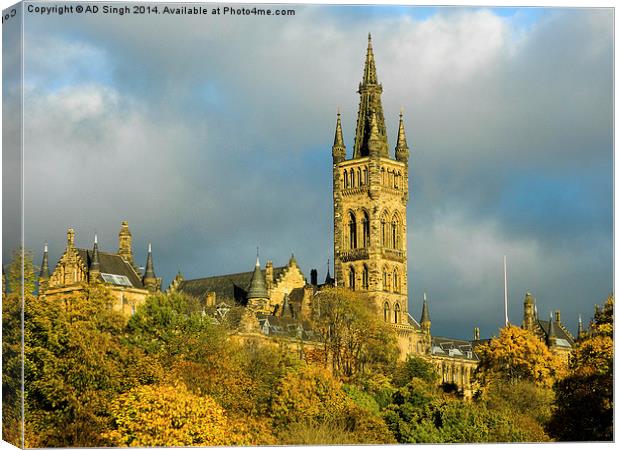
(212, 140)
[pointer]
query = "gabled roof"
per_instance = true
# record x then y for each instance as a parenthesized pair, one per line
(110, 263)
(563, 337)
(234, 286)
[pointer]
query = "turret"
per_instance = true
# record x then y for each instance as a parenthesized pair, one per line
(580, 331)
(95, 269)
(44, 274)
(257, 289)
(402, 150)
(425, 319)
(70, 238)
(124, 243)
(149, 279)
(529, 312)
(328, 278)
(339, 150)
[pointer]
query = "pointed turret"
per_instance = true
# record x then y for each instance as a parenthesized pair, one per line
(328, 278)
(370, 103)
(292, 261)
(580, 331)
(95, 269)
(551, 337)
(425, 319)
(257, 284)
(44, 274)
(149, 279)
(339, 151)
(402, 150)
(374, 140)
(370, 70)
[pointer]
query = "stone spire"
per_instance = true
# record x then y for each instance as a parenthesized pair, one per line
(257, 283)
(94, 270)
(374, 140)
(328, 278)
(402, 150)
(370, 103)
(425, 320)
(339, 151)
(551, 338)
(292, 261)
(44, 274)
(149, 279)
(580, 331)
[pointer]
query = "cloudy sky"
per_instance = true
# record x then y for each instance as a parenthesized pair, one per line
(212, 135)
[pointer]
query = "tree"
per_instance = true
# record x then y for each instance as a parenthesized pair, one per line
(355, 338)
(585, 397)
(517, 355)
(167, 415)
(415, 367)
(75, 366)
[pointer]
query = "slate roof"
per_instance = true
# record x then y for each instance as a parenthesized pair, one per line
(454, 348)
(286, 327)
(563, 336)
(234, 286)
(113, 264)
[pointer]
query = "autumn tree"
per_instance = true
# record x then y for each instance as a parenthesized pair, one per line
(75, 366)
(415, 367)
(167, 416)
(585, 397)
(517, 355)
(355, 338)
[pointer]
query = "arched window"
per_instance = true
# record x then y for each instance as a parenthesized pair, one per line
(365, 230)
(359, 177)
(345, 179)
(396, 313)
(352, 175)
(365, 278)
(384, 230)
(395, 234)
(397, 181)
(365, 172)
(352, 231)
(386, 312)
(352, 278)
(391, 178)
(396, 281)
(385, 280)
(383, 176)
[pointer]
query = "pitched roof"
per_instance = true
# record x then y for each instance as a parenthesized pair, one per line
(110, 263)
(563, 336)
(234, 286)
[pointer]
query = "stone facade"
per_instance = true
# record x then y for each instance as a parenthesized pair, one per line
(77, 267)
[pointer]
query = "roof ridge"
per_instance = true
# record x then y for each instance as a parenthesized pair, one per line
(249, 272)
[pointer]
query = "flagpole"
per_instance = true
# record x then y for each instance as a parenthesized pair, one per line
(505, 294)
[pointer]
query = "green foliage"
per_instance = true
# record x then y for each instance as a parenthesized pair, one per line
(421, 414)
(361, 398)
(11, 369)
(415, 367)
(585, 397)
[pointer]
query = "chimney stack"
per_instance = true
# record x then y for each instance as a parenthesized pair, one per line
(314, 277)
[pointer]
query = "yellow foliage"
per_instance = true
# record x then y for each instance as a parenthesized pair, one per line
(515, 355)
(165, 416)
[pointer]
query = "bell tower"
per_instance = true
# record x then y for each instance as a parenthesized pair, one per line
(370, 205)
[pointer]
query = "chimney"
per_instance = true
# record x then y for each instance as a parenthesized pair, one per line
(314, 277)
(476, 334)
(269, 275)
(557, 316)
(124, 243)
(70, 238)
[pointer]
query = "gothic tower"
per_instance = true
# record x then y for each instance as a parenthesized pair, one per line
(370, 205)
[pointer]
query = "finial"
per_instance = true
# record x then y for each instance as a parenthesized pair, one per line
(338, 111)
(149, 247)
(425, 296)
(402, 110)
(257, 260)
(369, 37)
(45, 247)
(95, 237)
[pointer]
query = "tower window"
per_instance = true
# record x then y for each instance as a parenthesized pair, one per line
(386, 312)
(359, 177)
(352, 231)
(352, 278)
(366, 229)
(352, 175)
(396, 281)
(365, 172)
(345, 179)
(384, 231)
(385, 280)
(383, 179)
(365, 278)
(396, 313)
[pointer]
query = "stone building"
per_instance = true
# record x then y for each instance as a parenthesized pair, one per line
(117, 271)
